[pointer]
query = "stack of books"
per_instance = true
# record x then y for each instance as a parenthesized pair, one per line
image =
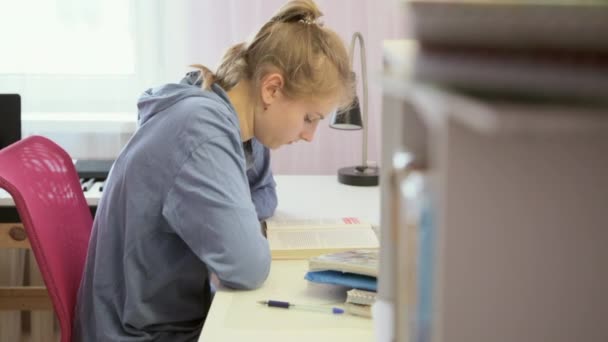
(355, 270)
(521, 50)
(359, 302)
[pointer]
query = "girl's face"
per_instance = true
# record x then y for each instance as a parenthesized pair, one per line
(286, 121)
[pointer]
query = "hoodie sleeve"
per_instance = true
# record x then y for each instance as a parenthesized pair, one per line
(261, 182)
(209, 206)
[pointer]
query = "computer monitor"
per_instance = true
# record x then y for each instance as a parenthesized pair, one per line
(10, 119)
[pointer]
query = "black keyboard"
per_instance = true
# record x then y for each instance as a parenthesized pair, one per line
(98, 169)
(93, 174)
(93, 171)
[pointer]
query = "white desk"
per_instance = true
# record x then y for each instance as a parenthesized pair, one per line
(235, 315)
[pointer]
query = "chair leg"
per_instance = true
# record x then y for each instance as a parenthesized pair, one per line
(12, 264)
(42, 322)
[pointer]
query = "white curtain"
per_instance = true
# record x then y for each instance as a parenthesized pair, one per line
(98, 55)
(71, 56)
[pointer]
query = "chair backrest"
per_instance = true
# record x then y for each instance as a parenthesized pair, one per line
(41, 178)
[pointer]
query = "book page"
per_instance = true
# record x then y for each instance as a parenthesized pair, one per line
(329, 238)
(293, 223)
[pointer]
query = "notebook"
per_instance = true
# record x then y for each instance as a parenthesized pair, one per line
(303, 238)
(360, 297)
(361, 261)
(351, 280)
(358, 310)
(359, 302)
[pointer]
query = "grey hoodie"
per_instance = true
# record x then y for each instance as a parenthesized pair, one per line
(177, 206)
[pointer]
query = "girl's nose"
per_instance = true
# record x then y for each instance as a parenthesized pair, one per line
(307, 135)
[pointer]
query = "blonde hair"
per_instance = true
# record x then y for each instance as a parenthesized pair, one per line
(312, 59)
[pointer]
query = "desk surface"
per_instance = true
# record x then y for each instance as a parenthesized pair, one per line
(235, 315)
(323, 196)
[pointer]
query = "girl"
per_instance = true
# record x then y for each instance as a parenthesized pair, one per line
(180, 202)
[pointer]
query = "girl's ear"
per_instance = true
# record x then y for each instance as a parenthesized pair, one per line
(271, 86)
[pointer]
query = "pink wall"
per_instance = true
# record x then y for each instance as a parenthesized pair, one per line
(376, 20)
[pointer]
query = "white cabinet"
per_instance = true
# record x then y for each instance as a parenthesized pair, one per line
(521, 211)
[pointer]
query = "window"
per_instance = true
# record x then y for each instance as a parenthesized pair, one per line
(78, 56)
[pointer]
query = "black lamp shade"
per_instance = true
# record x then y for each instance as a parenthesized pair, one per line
(349, 119)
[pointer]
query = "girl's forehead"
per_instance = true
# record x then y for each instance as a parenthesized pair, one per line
(323, 106)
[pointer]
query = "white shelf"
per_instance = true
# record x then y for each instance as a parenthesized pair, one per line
(519, 193)
(482, 116)
(496, 118)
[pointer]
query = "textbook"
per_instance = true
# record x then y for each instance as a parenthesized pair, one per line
(296, 238)
(359, 261)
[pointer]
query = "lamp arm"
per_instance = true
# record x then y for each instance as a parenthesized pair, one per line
(359, 36)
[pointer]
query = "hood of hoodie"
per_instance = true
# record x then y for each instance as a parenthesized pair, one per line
(155, 100)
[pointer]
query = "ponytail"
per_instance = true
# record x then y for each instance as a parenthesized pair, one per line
(229, 73)
(233, 67)
(206, 74)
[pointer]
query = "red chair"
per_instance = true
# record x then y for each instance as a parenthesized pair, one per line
(41, 178)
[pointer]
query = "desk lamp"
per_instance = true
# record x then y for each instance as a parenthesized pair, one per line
(351, 119)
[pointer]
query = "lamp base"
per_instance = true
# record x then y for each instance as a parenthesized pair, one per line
(359, 175)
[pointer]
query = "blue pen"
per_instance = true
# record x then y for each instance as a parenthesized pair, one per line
(287, 305)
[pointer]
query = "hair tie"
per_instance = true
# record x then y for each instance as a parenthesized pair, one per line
(308, 20)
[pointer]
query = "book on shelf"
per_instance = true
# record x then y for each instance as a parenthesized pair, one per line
(540, 76)
(302, 238)
(534, 51)
(563, 25)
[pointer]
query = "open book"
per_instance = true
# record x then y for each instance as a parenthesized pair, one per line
(293, 238)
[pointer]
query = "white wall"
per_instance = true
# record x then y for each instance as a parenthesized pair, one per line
(376, 20)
